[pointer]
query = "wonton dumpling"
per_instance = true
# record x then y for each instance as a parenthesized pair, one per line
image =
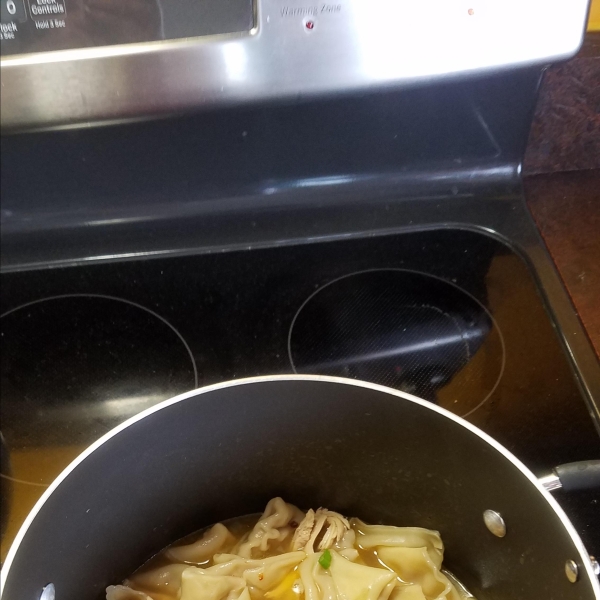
(197, 584)
(414, 565)
(415, 592)
(413, 552)
(272, 528)
(344, 580)
(279, 560)
(123, 592)
(359, 582)
(264, 575)
(408, 592)
(213, 541)
(273, 569)
(371, 536)
(165, 580)
(317, 583)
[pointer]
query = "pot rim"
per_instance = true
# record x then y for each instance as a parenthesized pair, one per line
(583, 555)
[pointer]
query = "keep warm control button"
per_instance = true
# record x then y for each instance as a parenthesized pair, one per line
(42, 9)
(12, 10)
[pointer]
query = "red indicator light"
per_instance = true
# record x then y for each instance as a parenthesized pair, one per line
(310, 25)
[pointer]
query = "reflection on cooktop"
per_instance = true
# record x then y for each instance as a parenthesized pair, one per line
(403, 329)
(76, 365)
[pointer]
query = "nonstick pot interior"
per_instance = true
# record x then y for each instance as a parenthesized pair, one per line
(211, 455)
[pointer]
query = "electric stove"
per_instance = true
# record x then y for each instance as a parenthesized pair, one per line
(328, 190)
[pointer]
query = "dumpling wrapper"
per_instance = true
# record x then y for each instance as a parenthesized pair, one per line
(372, 536)
(196, 584)
(235, 572)
(216, 539)
(408, 592)
(317, 583)
(414, 565)
(344, 580)
(414, 553)
(165, 581)
(123, 592)
(359, 582)
(273, 527)
(273, 569)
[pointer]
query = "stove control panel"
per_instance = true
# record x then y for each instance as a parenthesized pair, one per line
(46, 25)
(82, 61)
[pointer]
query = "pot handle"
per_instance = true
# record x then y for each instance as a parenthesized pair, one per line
(581, 475)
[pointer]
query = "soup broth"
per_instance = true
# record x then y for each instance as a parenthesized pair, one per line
(287, 554)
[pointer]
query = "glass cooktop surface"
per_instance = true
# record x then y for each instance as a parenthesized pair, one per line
(453, 316)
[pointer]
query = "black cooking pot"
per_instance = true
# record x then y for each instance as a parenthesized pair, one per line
(364, 450)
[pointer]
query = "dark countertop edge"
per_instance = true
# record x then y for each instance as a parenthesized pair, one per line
(566, 209)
